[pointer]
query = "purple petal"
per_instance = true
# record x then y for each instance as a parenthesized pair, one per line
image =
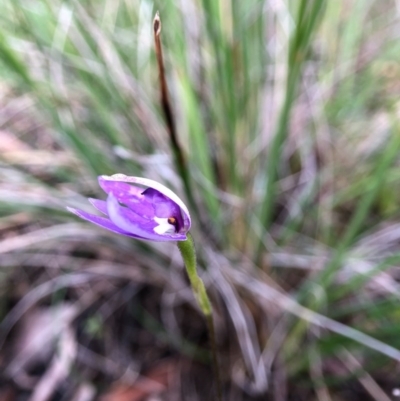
(163, 206)
(131, 222)
(101, 221)
(100, 205)
(129, 195)
(121, 179)
(119, 188)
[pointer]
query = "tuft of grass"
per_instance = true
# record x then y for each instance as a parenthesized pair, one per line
(285, 114)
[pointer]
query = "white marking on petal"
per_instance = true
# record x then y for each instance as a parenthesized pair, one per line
(163, 226)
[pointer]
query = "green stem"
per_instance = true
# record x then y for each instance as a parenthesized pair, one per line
(188, 253)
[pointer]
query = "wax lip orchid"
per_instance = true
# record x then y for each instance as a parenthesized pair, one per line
(152, 213)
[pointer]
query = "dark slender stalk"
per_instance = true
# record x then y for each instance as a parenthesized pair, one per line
(179, 158)
(188, 253)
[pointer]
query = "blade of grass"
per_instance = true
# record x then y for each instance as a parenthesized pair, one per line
(308, 15)
(378, 178)
(224, 80)
(325, 277)
(199, 148)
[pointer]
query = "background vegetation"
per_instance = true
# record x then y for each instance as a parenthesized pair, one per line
(287, 112)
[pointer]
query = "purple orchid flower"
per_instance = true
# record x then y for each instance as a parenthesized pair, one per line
(154, 213)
